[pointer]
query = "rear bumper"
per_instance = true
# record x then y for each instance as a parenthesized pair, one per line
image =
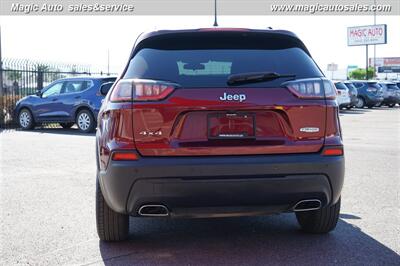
(343, 101)
(391, 100)
(353, 100)
(222, 185)
(373, 100)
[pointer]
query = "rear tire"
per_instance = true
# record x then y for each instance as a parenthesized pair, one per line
(111, 226)
(319, 221)
(25, 119)
(66, 125)
(360, 102)
(85, 121)
(391, 105)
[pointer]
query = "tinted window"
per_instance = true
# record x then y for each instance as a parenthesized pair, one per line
(53, 90)
(340, 86)
(392, 87)
(350, 85)
(105, 87)
(374, 85)
(211, 67)
(76, 86)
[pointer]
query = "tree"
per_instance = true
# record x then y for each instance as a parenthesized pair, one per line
(41, 78)
(13, 75)
(42, 67)
(359, 73)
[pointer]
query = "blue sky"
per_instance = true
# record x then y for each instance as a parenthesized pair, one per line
(85, 40)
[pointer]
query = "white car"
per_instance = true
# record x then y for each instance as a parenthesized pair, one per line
(343, 96)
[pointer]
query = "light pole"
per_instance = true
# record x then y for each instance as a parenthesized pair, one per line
(215, 14)
(1, 70)
(108, 62)
(374, 44)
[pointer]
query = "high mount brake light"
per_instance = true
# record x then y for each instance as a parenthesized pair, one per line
(127, 90)
(224, 29)
(312, 88)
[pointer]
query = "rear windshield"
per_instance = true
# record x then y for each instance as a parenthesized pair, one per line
(392, 87)
(350, 86)
(374, 85)
(212, 67)
(340, 86)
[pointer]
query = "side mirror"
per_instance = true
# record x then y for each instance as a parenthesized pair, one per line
(39, 93)
(105, 87)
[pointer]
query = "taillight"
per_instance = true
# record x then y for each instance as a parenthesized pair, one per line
(312, 88)
(127, 90)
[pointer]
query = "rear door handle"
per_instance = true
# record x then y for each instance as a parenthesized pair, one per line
(55, 99)
(77, 97)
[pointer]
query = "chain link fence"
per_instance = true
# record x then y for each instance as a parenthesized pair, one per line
(23, 77)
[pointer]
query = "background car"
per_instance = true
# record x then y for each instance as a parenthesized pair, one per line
(391, 93)
(352, 93)
(369, 93)
(65, 101)
(343, 97)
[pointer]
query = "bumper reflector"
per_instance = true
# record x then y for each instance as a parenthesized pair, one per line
(124, 156)
(334, 151)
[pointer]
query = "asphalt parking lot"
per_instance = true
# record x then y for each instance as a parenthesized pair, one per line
(48, 215)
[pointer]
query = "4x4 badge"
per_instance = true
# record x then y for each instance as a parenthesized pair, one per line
(151, 133)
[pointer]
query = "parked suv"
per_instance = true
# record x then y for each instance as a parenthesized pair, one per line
(352, 93)
(343, 96)
(218, 123)
(391, 93)
(65, 101)
(370, 93)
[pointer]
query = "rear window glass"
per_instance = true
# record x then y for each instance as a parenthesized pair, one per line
(358, 85)
(374, 85)
(340, 86)
(392, 87)
(350, 86)
(212, 67)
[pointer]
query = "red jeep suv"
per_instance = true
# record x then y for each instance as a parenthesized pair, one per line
(218, 123)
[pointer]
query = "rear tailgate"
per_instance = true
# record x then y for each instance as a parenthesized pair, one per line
(180, 125)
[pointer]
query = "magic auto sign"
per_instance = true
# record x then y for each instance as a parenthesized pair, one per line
(365, 35)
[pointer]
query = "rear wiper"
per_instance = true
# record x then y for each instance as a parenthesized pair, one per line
(254, 77)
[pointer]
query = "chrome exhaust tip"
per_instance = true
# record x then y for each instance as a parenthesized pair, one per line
(153, 210)
(307, 205)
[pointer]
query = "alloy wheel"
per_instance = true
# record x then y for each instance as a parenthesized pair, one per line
(84, 121)
(25, 119)
(360, 103)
